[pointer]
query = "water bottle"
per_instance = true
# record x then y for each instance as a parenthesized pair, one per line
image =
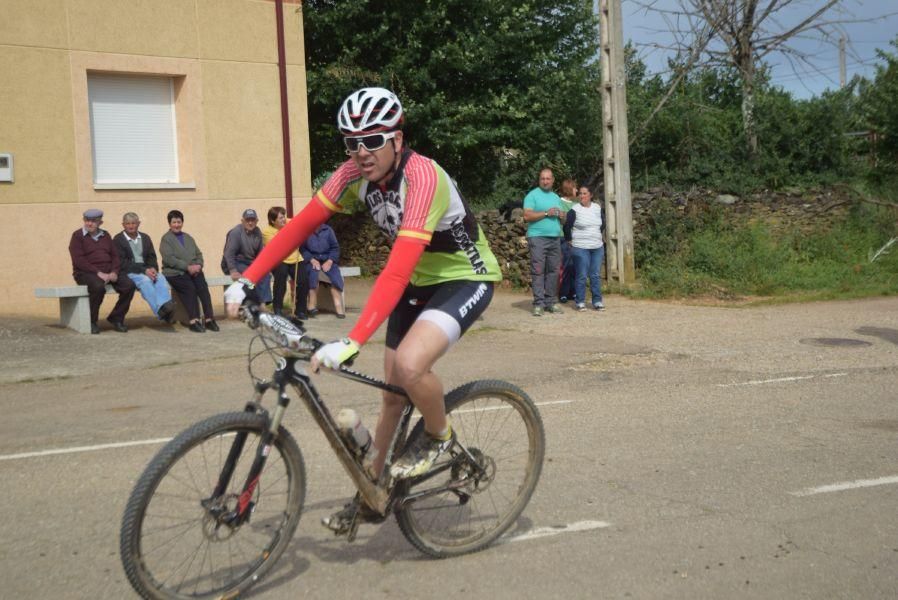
(354, 432)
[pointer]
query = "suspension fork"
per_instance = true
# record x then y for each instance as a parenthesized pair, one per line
(244, 503)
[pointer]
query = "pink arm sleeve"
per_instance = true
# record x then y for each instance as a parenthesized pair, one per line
(388, 288)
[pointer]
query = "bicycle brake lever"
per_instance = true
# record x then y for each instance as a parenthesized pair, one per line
(249, 312)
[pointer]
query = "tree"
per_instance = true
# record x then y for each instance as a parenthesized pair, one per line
(879, 107)
(492, 90)
(742, 33)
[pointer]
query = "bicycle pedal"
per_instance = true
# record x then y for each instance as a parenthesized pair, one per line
(338, 525)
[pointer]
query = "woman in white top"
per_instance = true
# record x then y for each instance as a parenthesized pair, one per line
(583, 229)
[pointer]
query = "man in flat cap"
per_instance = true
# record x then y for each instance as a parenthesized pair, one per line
(95, 263)
(242, 244)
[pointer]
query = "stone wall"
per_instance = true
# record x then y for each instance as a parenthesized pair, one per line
(363, 245)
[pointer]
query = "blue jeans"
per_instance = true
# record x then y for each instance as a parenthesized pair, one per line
(156, 293)
(587, 263)
(566, 288)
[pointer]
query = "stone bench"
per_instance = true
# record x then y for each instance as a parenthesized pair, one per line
(74, 305)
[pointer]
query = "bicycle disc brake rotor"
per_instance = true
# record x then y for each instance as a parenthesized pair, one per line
(218, 518)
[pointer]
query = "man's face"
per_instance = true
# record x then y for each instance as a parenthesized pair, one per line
(131, 227)
(546, 180)
(249, 224)
(92, 225)
(376, 165)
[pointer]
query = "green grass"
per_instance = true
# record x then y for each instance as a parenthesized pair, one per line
(732, 260)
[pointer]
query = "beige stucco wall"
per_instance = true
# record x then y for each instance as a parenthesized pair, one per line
(228, 112)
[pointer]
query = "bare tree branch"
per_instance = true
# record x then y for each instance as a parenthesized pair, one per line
(743, 32)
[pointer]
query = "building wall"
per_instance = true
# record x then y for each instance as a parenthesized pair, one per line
(223, 54)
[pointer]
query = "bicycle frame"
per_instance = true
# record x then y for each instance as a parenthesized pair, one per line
(290, 371)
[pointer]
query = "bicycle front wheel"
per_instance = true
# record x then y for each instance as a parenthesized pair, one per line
(176, 542)
(459, 510)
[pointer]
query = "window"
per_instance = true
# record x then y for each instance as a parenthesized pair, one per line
(133, 130)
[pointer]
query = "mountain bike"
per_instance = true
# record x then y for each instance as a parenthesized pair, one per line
(218, 504)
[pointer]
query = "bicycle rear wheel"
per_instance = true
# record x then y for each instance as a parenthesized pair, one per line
(173, 544)
(501, 428)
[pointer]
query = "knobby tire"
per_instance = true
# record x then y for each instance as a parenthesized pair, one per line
(170, 548)
(501, 426)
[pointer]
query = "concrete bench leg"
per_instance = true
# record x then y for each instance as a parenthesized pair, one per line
(180, 313)
(74, 313)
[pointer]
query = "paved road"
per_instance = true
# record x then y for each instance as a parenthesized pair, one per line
(689, 454)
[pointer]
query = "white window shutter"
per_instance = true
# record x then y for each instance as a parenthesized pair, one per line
(133, 129)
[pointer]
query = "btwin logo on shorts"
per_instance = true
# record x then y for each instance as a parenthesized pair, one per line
(473, 300)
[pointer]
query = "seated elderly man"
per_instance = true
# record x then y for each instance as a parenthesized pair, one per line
(95, 263)
(138, 262)
(242, 245)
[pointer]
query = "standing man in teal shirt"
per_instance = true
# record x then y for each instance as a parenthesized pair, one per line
(543, 213)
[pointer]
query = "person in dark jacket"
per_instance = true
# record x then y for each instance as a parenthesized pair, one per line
(182, 264)
(322, 251)
(96, 263)
(139, 264)
(242, 245)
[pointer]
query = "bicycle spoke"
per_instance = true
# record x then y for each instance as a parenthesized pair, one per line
(502, 432)
(189, 544)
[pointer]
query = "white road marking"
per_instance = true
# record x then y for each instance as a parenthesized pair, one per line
(57, 451)
(506, 407)
(780, 380)
(847, 485)
(83, 449)
(540, 532)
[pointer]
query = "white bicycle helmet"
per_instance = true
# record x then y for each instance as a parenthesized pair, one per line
(369, 110)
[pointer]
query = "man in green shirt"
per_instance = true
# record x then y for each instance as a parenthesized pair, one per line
(543, 213)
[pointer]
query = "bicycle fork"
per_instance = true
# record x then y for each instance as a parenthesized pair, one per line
(241, 512)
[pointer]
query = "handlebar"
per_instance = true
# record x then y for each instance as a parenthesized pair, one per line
(289, 334)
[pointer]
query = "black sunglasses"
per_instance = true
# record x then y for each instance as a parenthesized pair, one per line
(371, 142)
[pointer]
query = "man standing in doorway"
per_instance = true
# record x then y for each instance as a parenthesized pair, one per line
(542, 213)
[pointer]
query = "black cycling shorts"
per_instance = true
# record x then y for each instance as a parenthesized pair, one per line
(452, 306)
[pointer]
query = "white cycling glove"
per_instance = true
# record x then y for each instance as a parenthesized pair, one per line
(334, 354)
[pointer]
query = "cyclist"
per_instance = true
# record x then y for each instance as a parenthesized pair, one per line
(437, 279)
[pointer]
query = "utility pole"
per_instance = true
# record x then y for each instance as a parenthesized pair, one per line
(619, 261)
(842, 62)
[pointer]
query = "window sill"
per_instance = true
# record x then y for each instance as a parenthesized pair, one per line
(187, 185)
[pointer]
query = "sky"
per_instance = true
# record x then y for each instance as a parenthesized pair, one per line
(647, 30)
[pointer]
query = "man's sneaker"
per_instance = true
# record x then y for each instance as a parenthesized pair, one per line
(563, 299)
(420, 456)
(554, 309)
(537, 311)
(599, 305)
(581, 306)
